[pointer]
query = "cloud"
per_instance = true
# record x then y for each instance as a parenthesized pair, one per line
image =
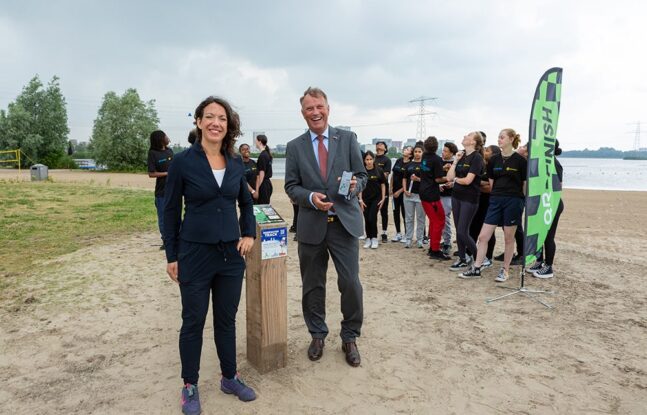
(481, 59)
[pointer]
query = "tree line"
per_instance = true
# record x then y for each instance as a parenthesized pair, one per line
(36, 123)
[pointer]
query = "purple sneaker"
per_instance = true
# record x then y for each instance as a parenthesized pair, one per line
(237, 387)
(190, 400)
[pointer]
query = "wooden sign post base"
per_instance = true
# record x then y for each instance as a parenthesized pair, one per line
(267, 292)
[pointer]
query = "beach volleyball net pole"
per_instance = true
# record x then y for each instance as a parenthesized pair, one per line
(10, 156)
(543, 187)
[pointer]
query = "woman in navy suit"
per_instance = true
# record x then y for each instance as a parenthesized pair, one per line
(205, 249)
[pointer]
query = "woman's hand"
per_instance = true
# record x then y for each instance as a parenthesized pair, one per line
(171, 270)
(255, 195)
(407, 194)
(380, 203)
(245, 245)
(362, 205)
(398, 193)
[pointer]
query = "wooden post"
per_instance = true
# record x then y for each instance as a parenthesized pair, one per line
(267, 293)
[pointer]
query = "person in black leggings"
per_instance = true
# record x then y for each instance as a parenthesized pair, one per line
(396, 189)
(543, 267)
(372, 198)
(465, 172)
(383, 162)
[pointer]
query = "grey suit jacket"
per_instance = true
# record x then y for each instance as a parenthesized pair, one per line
(302, 177)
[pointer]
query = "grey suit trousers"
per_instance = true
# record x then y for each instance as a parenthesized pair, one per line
(313, 259)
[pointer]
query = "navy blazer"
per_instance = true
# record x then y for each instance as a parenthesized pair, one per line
(209, 209)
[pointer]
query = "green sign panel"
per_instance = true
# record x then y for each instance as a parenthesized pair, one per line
(543, 186)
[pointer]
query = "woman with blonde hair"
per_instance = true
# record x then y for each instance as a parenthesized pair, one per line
(507, 174)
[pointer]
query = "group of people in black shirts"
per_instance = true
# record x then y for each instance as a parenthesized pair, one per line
(481, 187)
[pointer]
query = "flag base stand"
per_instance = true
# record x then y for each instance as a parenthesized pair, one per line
(532, 294)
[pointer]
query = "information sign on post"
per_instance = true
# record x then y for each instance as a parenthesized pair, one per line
(266, 285)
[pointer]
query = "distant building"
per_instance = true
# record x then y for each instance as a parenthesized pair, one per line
(256, 134)
(343, 127)
(410, 142)
(280, 148)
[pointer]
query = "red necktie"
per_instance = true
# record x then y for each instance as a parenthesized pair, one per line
(323, 157)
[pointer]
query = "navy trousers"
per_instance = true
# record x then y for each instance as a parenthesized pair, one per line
(209, 269)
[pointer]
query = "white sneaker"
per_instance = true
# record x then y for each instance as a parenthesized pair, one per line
(367, 244)
(361, 238)
(374, 243)
(407, 244)
(503, 276)
(397, 238)
(486, 263)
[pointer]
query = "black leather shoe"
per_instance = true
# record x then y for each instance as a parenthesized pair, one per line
(352, 354)
(315, 351)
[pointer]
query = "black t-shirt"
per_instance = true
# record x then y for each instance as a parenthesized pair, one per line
(414, 167)
(373, 189)
(508, 174)
(158, 162)
(485, 197)
(446, 191)
(251, 171)
(432, 168)
(383, 162)
(264, 163)
(469, 164)
(399, 169)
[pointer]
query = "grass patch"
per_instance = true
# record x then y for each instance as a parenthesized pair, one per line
(43, 220)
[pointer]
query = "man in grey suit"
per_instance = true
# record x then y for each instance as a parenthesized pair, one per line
(329, 224)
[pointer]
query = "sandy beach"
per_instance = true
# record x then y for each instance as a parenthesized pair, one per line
(104, 341)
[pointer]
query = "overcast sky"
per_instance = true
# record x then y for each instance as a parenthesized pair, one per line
(482, 59)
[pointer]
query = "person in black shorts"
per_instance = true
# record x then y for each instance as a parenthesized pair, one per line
(397, 191)
(372, 198)
(507, 174)
(263, 191)
(465, 172)
(159, 159)
(383, 162)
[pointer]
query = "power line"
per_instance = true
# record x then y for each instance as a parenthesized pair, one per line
(636, 133)
(421, 129)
